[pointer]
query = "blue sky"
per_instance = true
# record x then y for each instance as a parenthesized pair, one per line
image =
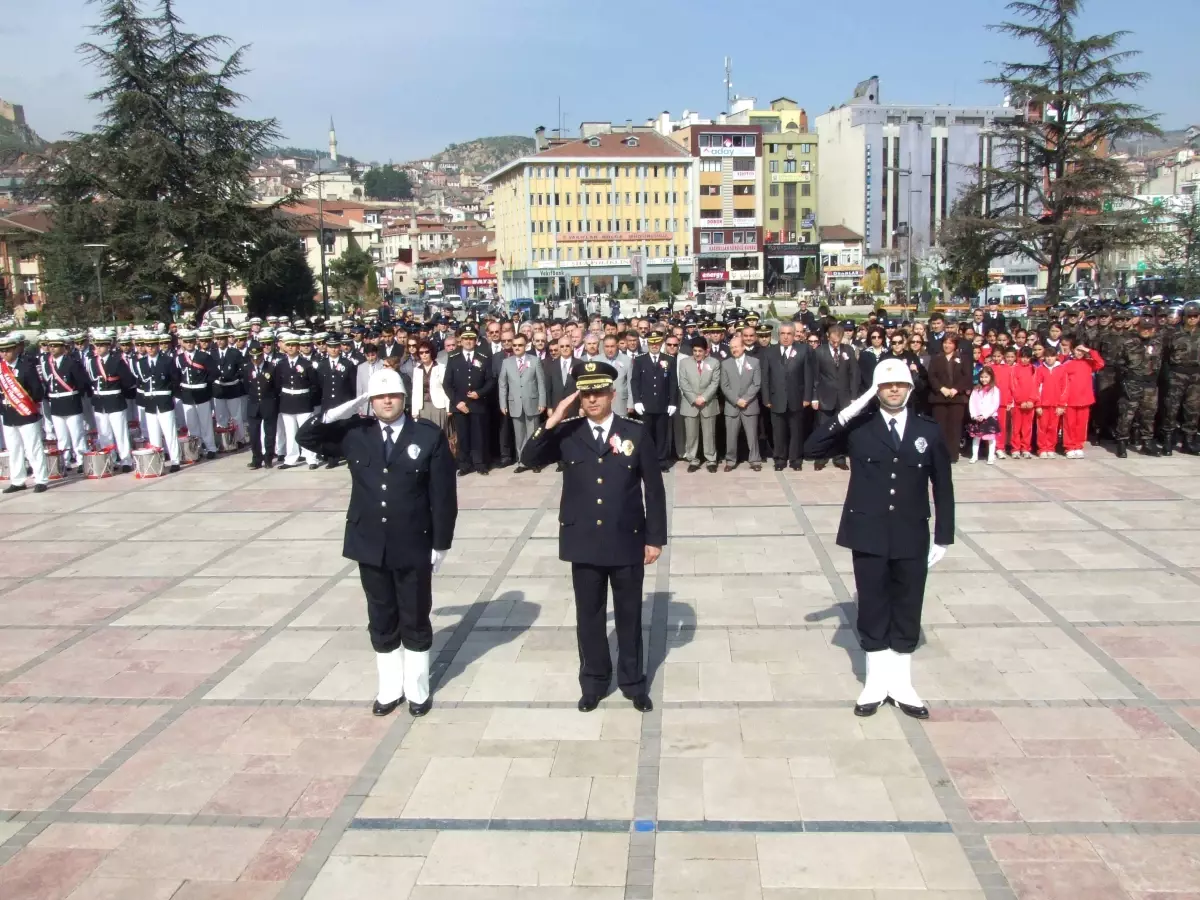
(403, 77)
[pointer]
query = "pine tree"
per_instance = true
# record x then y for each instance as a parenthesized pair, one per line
(281, 281)
(1052, 193)
(811, 279)
(348, 273)
(164, 177)
(676, 280)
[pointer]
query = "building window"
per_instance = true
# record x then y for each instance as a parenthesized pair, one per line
(806, 148)
(968, 120)
(743, 190)
(556, 199)
(570, 253)
(710, 165)
(789, 166)
(772, 148)
(658, 224)
(710, 213)
(704, 238)
(743, 164)
(939, 121)
(774, 165)
(916, 120)
(568, 199)
(774, 190)
(736, 237)
(806, 190)
(773, 214)
(656, 198)
(710, 190)
(893, 120)
(628, 225)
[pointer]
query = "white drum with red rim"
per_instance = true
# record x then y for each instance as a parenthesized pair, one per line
(55, 467)
(148, 463)
(98, 464)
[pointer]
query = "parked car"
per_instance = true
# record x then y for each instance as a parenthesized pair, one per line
(228, 314)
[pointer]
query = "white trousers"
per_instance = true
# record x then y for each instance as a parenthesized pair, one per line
(231, 412)
(293, 452)
(161, 432)
(403, 673)
(199, 420)
(112, 429)
(69, 432)
(25, 441)
(280, 438)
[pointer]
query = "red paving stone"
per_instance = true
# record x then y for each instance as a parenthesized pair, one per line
(1165, 660)
(1068, 765)
(282, 761)
(133, 663)
(75, 601)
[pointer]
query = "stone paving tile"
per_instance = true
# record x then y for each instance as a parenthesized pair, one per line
(1165, 660)
(243, 761)
(1142, 595)
(17, 525)
(121, 862)
(46, 748)
(260, 501)
(132, 662)
(762, 555)
(271, 558)
(1107, 867)
(93, 528)
(1180, 548)
(1131, 515)
(19, 647)
(23, 560)
(240, 526)
(309, 664)
(752, 519)
(763, 600)
(1068, 765)
(73, 602)
(144, 559)
(1109, 487)
(225, 601)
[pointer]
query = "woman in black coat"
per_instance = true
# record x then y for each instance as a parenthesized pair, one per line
(874, 351)
(949, 387)
(898, 348)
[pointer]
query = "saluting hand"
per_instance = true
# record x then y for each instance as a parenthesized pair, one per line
(560, 411)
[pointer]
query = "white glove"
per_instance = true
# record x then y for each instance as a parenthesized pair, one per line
(671, 410)
(855, 408)
(640, 408)
(936, 552)
(345, 411)
(439, 556)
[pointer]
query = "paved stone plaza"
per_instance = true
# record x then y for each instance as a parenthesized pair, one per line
(185, 682)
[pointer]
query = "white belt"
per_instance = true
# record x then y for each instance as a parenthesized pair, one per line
(65, 394)
(297, 390)
(228, 383)
(193, 387)
(156, 393)
(107, 393)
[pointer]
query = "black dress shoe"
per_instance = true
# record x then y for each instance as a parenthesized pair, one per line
(39, 488)
(519, 469)
(862, 710)
(482, 470)
(125, 470)
(641, 702)
(588, 702)
(211, 454)
(756, 467)
(416, 710)
(383, 709)
(286, 465)
(332, 464)
(254, 465)
(840, 463)
(270, 464)
(312, 466)
(779, 467)
(916, 712)
(174, 467)
(13, 488)
(693, 467)
(712, 467)
(797, 466)
(819, 465)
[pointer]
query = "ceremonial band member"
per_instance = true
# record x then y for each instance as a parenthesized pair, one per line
(604, 531)
(111, 381)
(20, 393)
(399, 527)
(895, 456)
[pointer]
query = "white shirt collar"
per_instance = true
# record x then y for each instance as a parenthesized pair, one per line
(606, 425)
(901, 419)
(396, 426)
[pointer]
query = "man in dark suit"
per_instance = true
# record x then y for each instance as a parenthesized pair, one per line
(787, 390)
(339, 382)
(897, 456)
(399, 527)
(262, 408)
(469, 384)
(835, 382)
(560, 383)
(604, 530)
(655, 393)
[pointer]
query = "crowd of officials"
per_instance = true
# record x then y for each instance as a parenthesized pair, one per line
(712, 393)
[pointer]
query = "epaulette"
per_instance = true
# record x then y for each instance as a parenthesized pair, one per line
(927, 417)
(627, 421)
(425, 423)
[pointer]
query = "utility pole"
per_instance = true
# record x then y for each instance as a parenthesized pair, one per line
(100, 248)
(728, 84)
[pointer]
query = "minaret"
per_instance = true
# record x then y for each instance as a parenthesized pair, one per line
(332, 141)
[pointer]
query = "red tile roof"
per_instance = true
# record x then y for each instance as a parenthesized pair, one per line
(838, 233)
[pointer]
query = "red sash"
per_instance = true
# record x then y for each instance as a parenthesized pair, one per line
(14, 392)
(54, 371)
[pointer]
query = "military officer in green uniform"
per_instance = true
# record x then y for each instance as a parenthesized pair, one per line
(605, 532)
(1182, 360)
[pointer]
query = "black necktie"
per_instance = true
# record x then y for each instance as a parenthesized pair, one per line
(895, 434)
(599, 435)
(388, 443)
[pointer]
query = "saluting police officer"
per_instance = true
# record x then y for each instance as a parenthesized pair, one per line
(896, 454)
(604, 531)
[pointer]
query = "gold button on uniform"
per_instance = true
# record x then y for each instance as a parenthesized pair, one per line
(599, 501)
(599, 521)
(599, 481)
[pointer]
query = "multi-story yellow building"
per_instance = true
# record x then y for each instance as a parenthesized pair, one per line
(606, 212)
(789, 188)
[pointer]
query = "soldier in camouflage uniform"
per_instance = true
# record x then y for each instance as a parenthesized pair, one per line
(1182, 363)
(1088, 332)
(1139, 360)
(1110, 334)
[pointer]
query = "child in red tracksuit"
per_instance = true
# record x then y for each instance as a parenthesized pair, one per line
(1024, 400)
(1002, 366)
(1080, 369)
(1052, 403)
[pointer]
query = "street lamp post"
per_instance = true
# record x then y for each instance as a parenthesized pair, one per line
(100, 248)
(321, 241)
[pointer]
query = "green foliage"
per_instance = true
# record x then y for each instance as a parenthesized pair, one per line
(1179, 247)
(811, 278)
(872, 282)
(163, 179)
(281, 282)
(966, 248)
(676, 280)
(1051, 171)
(387, 183)
(772, 312)
(348, 273)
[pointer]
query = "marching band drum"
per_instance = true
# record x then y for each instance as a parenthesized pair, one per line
(148, 463)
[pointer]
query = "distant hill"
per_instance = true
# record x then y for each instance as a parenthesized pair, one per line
(1177, 138)
(487, 154)
(18, 137)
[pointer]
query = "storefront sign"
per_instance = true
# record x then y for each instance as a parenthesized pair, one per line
(745, 221)
(792, 248)
(613, 236)
(783, 177)
(709, 223)
(714, 275)
(728, 248)
(726, 151)
(477, 282)
(745, 275)
(739, 175)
